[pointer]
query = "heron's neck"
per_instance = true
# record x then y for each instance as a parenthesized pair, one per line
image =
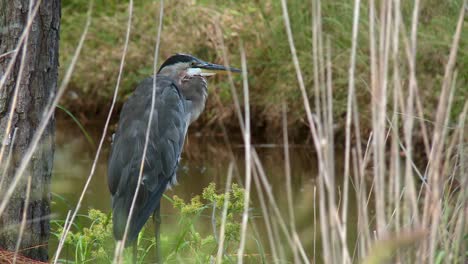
(195, 91)
(173, 73)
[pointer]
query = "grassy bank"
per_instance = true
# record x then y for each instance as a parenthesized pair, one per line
(190, 27)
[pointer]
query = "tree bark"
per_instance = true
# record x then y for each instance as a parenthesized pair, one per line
(37, 86)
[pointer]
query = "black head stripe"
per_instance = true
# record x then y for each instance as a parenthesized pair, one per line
(177, 58)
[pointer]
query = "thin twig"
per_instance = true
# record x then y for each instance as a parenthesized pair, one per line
(6, 164)
(23, 221)
(222, 228)
(287, 171)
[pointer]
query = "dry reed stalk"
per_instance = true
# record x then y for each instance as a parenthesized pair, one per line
(395, 160)
(315, 58)
(351, 94)
(315, 132)
(248, 159)
(452, 145)
(360, 240)
(328, 110)
(326, 249)
(424, 132)
(232, 87)
(273, 204)
(395, 194)
(287, 171)
(8, 53)
(24, 218)
(276, 233)
(255, 158)
(325, 137)
(273, 238)
(315, 34)
(362, 200)
(315, 226)
(67, 219)
(224, 54)
(432, 201)
(460, 226)
(379, 103)
(320, 114)
(453, 213)
(6, 164)
(302, 252)
(359, 159)
(222, 228)
(408, 122)
(240, 120)
(328, 133)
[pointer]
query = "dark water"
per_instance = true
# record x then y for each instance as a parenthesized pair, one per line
(204, 160)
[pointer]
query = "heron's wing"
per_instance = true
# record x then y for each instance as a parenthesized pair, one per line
(167, 133)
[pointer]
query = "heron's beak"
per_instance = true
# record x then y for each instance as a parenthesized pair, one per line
(208, 69)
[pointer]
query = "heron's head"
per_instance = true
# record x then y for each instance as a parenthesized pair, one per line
(180, 66)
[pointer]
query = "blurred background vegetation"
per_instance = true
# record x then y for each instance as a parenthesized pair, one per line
(191, 27)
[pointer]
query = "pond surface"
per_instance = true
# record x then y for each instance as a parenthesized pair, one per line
(204, 160)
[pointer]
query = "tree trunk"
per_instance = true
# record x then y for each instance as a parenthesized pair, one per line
(37, 86)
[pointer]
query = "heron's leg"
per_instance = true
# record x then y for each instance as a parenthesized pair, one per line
(157, 223)
(135, 251)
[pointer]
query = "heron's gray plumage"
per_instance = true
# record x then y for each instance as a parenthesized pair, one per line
(167, 133)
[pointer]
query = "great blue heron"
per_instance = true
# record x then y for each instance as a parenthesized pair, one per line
(180, 96)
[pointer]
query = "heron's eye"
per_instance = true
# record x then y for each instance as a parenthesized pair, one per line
(193, 64)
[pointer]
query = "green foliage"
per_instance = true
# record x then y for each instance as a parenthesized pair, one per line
(234, 209)
(190, 242)
(92, 242)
